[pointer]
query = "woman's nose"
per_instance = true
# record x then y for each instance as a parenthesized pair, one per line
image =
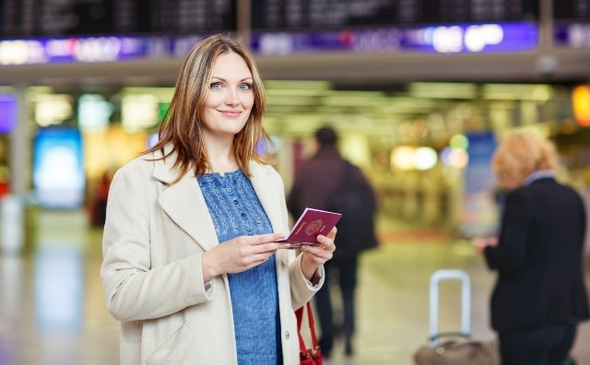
(232, 98)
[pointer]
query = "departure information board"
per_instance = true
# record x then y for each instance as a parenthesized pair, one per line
(46, 18)
(571, 9)
(323, 14)
(572, 23)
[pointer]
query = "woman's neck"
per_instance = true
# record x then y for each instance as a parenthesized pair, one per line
(222, 162)
(221, 155)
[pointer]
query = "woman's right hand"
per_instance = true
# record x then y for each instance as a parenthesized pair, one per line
(240, 254)
(480, 243)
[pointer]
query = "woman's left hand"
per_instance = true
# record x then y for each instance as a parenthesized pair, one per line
(316, 255)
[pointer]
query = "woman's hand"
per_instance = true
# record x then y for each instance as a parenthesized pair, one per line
(240, 254)
(316, 255)
(480, 243)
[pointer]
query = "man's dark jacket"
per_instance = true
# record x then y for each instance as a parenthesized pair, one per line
(315, 183)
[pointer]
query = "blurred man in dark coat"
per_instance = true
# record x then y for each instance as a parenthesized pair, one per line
(328, 182)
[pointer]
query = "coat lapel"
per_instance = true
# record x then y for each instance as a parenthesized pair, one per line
(185, 205)
(267, 195)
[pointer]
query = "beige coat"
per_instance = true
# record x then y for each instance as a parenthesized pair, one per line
(154, 237)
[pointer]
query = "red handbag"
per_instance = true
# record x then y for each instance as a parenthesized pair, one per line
(312, 356)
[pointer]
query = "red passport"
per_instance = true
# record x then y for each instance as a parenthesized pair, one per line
(310, 224)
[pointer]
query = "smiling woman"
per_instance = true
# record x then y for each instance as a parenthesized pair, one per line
(228, 104)
(190, 239)
(217, 80)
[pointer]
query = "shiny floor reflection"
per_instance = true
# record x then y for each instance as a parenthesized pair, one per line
(52, 309)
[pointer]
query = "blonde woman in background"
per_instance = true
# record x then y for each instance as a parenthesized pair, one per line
(539, 296)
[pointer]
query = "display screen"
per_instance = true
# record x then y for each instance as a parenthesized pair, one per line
(321, 14)
(58, 168)
(31, 18)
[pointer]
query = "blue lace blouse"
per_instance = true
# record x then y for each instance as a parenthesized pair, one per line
(236, 211)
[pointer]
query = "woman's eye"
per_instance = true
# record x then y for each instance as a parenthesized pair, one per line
(245, 86)
(215, 85)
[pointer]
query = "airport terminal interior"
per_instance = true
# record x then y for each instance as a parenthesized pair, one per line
(52, 307)
(421, 92)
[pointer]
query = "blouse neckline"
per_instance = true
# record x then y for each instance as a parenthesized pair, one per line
(222, 175)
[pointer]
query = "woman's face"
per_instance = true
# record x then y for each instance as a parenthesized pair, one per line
(230, 98)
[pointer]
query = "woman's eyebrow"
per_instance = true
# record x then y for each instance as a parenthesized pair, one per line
(248, 78)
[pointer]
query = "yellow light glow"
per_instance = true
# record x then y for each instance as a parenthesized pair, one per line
(53, 109)
(402, 158)
(581, 104)
(139, 112)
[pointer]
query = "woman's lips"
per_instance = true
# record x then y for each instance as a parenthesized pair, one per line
(230, 113)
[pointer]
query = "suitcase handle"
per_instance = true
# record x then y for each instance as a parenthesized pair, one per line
(435, 279)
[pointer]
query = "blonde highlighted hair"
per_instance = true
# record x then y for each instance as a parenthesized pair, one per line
(521, 154)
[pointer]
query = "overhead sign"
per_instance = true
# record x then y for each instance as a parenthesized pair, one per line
(443, 38)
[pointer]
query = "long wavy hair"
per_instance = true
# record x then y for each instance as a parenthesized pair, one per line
(521, 154)
(181, 129)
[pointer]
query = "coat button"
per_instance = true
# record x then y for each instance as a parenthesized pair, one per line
(283, 265)
(287, 335)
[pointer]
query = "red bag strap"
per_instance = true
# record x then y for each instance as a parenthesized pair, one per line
(299, 314)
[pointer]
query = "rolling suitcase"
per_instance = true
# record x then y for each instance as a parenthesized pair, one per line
(456, 348)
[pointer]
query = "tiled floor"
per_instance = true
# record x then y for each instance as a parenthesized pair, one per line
(52, 307)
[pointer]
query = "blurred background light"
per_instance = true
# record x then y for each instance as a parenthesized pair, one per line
(459, 141)
(402, 158)
(94, 112)
(581, 104)
(454, 157)
(424, 158)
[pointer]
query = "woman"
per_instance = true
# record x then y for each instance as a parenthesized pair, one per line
(191, 268)
(540, 296)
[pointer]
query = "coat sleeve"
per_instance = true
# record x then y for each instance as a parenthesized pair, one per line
(135, 290)
(301, 290)
(511, 252)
